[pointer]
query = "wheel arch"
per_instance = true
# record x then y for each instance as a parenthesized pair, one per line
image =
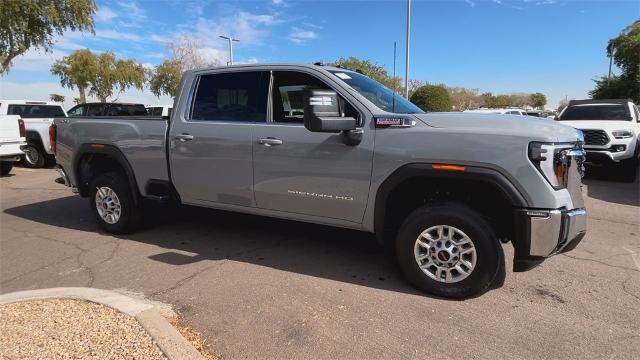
(92, 159)
(489, 178)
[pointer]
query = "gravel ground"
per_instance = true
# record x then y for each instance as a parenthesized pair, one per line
(71, 329)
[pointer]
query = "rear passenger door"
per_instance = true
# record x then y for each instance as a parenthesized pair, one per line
(309, 173)
(211, 144)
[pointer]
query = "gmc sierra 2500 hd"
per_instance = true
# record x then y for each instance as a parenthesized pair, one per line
(332, 146)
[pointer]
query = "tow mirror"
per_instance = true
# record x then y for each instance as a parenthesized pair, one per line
(322, 112)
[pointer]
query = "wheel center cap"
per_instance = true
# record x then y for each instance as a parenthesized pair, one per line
(444, 256)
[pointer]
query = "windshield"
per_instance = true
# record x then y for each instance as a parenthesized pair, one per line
(35, 111)
(596, 112)
(377, 93)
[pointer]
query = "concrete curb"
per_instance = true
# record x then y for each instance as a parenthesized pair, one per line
(169, 340)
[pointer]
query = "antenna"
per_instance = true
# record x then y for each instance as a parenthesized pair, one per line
(393, 106)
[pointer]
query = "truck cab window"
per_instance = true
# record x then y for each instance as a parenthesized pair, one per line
(80, 110)
(237, 97)
(288, 90)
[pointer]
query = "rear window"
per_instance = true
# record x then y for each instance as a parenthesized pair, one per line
(596, 112)
(155, 111)
(127, 110)
(35, 111)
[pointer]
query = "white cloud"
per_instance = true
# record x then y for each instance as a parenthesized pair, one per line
(117, 35)
(36, 60)
(160, 39)
(133, 11)
(251, 29)
(300, 36)
(470, 2)
(278, 2)
(213, 56)
(105, 14)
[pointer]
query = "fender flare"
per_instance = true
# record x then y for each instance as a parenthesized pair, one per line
(97, 148)
(517, 197)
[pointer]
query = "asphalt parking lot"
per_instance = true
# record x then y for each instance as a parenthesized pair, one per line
(264, 288)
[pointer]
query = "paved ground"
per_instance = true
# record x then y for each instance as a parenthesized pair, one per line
(264, 288)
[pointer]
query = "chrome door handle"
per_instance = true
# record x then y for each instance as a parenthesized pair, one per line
(183, 137)
(269, 141)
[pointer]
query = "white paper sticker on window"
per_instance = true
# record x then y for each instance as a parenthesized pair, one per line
(343, 76)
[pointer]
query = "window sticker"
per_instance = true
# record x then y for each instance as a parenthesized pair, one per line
(343, 76)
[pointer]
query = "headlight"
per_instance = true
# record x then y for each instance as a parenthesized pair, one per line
(552, 161)
(622, 134)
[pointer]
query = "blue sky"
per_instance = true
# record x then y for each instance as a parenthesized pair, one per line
(502, 46)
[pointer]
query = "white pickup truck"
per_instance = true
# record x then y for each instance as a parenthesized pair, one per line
(12, 133)
(38, 117)
(611, 130)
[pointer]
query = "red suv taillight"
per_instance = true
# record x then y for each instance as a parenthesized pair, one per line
(23, 130)
(52, 137)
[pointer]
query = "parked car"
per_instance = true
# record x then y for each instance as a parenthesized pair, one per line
(107, 109)
(439, 188)
(611, 129)
(542, 113)
(12, 139)
(38, 117)
(159, 110)
(510, 111)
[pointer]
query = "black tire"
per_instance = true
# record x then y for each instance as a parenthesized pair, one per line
(628, 169)
(130, 214)
(5, 167)
(34, 156)
(489, 255)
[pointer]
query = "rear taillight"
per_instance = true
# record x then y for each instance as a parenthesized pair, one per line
(23, 130)
(52, 137)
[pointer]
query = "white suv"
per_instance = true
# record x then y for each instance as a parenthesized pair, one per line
(610, 128)
(38, 117)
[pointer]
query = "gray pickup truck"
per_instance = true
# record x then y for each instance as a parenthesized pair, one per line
(331, 146)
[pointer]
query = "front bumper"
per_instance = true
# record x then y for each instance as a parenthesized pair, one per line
(543, 233)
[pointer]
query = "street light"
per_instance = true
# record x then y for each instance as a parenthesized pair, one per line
(406, 60)
(231, 40)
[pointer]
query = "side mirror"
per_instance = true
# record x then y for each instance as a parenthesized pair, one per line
(322, 112)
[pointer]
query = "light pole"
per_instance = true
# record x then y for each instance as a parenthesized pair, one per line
(231, 40)
(406, 60)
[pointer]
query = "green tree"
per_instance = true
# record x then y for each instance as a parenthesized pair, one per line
(112, 73)
(56, 98)
(34, 23)
(432, 98)
(77, 70)
(372, 70)
(164, 79)
(625, 50)
(538, 100)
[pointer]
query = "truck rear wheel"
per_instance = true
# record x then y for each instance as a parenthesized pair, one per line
(112, 203)
(449, 250)
(34, 156)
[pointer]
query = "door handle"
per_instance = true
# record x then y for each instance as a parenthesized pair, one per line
(183, 137)
(270, 141)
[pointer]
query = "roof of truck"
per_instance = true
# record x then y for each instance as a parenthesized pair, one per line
(29, 102)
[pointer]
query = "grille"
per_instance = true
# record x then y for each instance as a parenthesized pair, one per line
(595, 137)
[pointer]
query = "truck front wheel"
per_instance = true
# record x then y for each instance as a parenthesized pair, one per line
(112, 203)
(449, 250)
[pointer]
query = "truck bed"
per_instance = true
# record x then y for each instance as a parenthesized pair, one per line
(141, 140)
